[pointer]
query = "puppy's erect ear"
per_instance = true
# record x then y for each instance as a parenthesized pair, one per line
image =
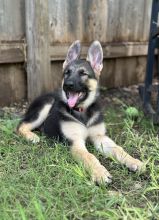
(95, 57)
(73, 53)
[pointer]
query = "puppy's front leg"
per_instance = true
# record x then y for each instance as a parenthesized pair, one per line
(77, 134)
(91, 163)
(106, 146)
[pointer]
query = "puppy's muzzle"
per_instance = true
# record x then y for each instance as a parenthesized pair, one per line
(69, 85)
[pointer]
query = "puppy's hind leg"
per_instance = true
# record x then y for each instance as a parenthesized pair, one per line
(24, 129)
(32, 120)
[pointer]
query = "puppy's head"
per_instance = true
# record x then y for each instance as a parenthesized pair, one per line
(80, 77)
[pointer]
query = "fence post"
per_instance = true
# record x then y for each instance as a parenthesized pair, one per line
(39, 79)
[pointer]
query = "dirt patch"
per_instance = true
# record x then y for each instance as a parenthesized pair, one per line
(16, 110)
(126, 96)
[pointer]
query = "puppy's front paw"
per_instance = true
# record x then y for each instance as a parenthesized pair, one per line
(100, 175)
(135, 165)
(32, 137)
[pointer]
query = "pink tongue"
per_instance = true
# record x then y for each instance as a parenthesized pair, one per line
(73, 97)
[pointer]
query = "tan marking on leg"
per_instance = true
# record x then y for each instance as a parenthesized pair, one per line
(25, 130)
(77, 133)
(122, 156)
(108, 147)
(98, 172)
(97, 130)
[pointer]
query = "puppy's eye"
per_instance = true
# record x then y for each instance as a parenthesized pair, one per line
(83, 73)
(67, 73)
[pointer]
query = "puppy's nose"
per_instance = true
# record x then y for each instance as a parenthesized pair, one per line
(69, 84)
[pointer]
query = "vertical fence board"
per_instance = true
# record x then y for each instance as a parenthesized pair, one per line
(38, 57)
(105, 20)
(12, 20)
(12, 83)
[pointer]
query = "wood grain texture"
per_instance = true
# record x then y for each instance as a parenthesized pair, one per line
(16, 52)
(12, 20)
(12, 53)
(105, 20)
(13, 85)
(38, 58)
(110, 50)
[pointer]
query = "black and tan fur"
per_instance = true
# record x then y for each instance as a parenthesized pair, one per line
(72, 113)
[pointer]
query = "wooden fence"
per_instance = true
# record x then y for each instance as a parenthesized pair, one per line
(37, 33)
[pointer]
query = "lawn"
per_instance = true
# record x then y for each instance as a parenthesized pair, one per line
(42, 181)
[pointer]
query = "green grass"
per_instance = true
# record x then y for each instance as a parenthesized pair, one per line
(42, 181)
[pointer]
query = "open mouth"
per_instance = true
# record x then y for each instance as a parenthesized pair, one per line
(73, 98)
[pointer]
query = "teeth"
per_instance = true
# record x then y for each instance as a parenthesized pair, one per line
(80, 94)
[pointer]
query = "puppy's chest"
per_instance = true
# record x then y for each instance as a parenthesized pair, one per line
(80, 116)
(86, 118)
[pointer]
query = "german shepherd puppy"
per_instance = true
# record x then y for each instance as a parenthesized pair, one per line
(72, 113)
